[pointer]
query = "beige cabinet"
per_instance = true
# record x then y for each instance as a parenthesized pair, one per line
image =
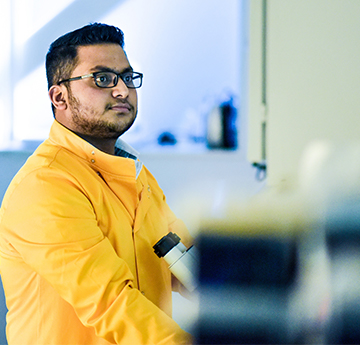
(304, 80)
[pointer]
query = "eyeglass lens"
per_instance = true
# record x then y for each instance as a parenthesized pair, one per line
(110, 79)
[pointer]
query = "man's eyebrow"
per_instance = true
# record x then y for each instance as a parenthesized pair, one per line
(101, 68)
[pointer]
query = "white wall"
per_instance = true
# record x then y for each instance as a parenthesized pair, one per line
(190, 53)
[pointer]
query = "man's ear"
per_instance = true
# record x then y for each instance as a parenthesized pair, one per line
(57, 97)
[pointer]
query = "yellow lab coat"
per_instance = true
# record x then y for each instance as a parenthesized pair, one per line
(77, 228)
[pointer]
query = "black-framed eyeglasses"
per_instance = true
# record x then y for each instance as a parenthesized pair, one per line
(132, 80)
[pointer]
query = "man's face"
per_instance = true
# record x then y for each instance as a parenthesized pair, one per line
(101, 112)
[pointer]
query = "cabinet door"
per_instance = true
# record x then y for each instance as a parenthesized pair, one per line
(310, 78)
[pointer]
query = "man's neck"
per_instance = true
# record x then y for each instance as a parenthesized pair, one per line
(105, 145)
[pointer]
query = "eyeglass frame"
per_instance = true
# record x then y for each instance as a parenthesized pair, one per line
(118, 76)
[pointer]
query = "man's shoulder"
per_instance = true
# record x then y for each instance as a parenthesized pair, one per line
(48, 160)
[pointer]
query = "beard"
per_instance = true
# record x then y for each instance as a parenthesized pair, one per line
(87, 121)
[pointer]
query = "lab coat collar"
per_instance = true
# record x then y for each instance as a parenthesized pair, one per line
(69, 140)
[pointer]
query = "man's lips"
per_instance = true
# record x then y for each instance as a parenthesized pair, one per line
(121, 107)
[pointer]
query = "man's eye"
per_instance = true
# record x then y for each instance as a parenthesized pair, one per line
(127, 78)
(103, 79)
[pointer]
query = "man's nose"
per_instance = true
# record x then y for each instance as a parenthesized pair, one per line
(120, 90)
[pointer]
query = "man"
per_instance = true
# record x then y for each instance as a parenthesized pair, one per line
(79, 220)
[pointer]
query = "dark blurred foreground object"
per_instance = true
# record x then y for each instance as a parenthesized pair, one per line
(343, 241)
(244, 286)
(286, 273)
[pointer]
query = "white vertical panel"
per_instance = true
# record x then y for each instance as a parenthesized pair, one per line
(257, 107)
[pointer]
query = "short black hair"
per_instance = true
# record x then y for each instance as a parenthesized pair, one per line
(62, 57)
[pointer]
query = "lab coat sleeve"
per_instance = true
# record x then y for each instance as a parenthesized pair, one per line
(57, 235)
